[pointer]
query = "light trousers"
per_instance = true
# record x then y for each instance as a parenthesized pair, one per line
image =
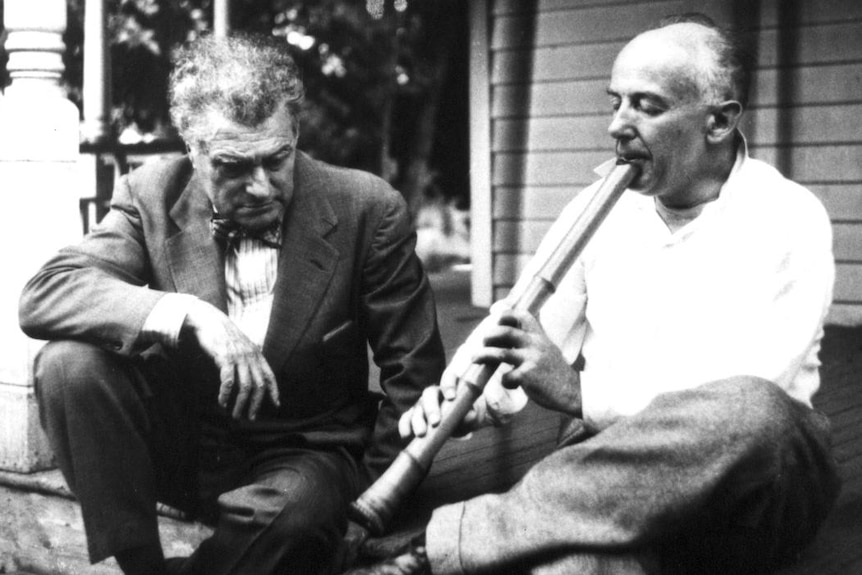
(729, 477)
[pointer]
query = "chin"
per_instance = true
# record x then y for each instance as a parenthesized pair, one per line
(259, 221)
(644, 190)
(638, 185)
(643, 184)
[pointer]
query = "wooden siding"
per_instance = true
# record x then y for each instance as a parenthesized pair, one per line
(550, 63)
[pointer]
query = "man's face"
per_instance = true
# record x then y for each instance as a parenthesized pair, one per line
(660, 119)
(248, 172)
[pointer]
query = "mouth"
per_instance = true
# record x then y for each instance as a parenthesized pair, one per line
(256, 208)
(631, 156)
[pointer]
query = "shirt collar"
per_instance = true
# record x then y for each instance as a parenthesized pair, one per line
(725, 193)
(727, 188)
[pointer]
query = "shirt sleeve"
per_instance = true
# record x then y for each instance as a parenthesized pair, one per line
(398, 305)
(800, 295)
(165, 321)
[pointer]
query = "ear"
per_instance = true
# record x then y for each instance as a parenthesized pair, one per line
(723, 120)
(190, 153)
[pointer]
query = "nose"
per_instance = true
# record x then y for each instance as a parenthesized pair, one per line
(258, 183)
(622, 124)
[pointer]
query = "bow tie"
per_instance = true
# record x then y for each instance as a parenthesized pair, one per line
(229, 233)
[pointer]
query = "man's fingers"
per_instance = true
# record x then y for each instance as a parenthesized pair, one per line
(404, 428)
(272, 388)
(245, 386)
(263, 383)
(259, 390)
(512, 379)
(513, 357)
(431, 405)
(449, 384)
(509, 318)
(270, 381)
(227, 374)
(418, 423)
(520, 319)
(506, 336)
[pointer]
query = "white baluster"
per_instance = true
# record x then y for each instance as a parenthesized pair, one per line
(38, 150)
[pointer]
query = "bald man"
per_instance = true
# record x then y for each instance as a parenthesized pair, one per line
(698, 310)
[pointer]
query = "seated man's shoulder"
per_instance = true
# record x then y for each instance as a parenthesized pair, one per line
(161, 177)
(785, 199)
(346, 187)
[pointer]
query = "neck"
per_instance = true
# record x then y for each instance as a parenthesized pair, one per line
(714, 172)
(677, 218)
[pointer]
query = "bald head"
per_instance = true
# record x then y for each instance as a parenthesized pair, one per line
(676, 110)
(713, 61)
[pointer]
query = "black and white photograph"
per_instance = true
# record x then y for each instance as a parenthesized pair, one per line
(431, 287)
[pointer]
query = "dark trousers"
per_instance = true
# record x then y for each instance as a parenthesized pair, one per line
(130, 432)
(729, 477)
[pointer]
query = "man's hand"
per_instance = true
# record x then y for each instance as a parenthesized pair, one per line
(429, 410)
(538, 365)
(242, 367)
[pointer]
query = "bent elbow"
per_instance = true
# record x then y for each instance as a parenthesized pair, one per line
(29, 318)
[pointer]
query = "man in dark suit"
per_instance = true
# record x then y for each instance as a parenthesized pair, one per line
(209, 338)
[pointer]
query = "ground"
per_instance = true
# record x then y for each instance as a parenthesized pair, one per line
(41, 531)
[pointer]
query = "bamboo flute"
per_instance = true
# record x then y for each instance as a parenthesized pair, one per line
(375, 507)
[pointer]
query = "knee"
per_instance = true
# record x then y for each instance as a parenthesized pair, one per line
(73, 371)
(284, 514)
(754, 406)
(300, 530)
(775, 429)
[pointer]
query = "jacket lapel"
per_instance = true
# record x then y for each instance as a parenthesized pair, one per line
(306, 264)
(195, 259)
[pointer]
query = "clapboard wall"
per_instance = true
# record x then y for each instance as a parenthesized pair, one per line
(540, 114)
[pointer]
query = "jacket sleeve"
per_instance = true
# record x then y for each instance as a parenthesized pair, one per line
(95, 291)
(403, 332)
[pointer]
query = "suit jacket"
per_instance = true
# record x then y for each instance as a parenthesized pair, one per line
(348, 277)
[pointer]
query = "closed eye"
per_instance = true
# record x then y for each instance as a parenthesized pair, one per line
(231, 168)
(649, 104)
(276, 161)
(649, 108)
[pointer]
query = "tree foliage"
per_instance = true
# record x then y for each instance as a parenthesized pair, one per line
(385, 79)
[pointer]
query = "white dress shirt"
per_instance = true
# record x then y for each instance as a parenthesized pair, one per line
(743, 289)
(251, 268)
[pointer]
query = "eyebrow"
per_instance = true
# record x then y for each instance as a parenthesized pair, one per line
(657, 98)
(228, 156)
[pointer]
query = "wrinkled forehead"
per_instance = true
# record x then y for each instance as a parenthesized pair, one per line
(218, 132)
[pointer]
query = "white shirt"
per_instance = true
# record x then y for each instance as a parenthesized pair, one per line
(250, 272)
(251, 268)
(743, 289)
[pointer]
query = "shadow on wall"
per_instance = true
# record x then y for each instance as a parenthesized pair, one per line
(442, 235)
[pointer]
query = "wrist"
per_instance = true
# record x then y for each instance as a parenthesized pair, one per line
(573, 404)
(195, 320)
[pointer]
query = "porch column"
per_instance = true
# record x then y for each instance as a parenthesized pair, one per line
(221, 18)
(38, 151)
(97, 81)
